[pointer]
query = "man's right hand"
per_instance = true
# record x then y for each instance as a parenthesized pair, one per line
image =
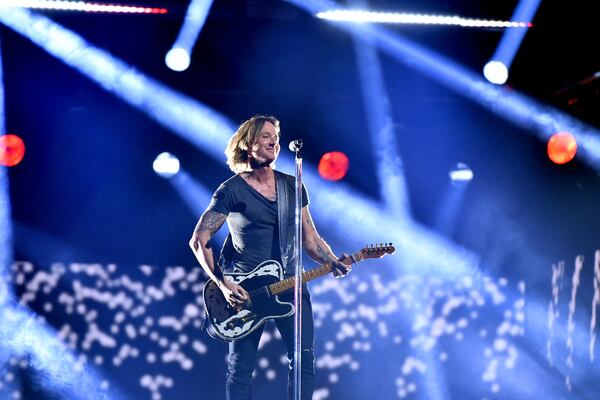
(235, 295)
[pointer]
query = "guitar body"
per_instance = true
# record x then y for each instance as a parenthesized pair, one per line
(230, 324)
(263, 284)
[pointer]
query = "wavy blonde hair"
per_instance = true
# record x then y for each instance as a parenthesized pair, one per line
(243, 139)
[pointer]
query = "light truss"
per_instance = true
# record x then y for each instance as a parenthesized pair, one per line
(84, 6)
(422, 19)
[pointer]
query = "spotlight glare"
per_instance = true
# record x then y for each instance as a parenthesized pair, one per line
(166, 165)
(562, 147)
(496, 72)
(12, 150)
(177, 59)
(461, 173)
(333, 166)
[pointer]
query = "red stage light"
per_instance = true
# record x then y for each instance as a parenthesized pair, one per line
(12, 150)
(562, 147)
(333, 166)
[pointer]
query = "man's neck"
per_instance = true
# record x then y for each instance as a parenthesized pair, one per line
(261, 175)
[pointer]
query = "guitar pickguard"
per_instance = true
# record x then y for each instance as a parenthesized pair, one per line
(267, 268)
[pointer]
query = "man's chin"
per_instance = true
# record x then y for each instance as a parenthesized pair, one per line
(265, 162)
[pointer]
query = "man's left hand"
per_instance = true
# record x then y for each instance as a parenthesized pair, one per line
(339, 268)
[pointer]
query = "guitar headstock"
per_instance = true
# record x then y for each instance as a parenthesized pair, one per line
(377, 250)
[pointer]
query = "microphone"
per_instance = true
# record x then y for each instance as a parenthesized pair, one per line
(295, 145)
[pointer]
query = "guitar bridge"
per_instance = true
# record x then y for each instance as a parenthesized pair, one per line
(239, 322)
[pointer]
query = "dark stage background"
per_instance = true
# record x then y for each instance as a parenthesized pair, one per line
(100, 242)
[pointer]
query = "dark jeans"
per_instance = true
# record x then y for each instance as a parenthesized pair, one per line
(242, 355)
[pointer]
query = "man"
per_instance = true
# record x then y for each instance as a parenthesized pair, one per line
(249, 203)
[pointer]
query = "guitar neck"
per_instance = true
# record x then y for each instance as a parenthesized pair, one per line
(323, 269)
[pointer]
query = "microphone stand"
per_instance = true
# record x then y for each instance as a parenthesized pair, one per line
(298, 273)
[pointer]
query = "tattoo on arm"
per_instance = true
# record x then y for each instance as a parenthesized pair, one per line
(210, 222)
(320, 251)
(324, 254)
(309, 221)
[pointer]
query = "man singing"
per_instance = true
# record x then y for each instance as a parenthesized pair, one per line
(249, 203)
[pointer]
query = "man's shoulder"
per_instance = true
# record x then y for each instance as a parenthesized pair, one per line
(288, 178)
(231, 182)
(228, 187)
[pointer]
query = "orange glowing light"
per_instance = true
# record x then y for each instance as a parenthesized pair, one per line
(562, 147)
(12, 150)
(333, 166)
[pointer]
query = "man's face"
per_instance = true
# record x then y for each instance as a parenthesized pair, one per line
(266, 147)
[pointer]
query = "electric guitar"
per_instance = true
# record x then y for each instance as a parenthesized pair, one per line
(263, 284)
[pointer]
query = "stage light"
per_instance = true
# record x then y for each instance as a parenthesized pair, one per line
(166, 165)
(362, 16)
(333, 166)
(496, 72)
(512, 38)
(461, 173)
(12, 150)
(562, 147)
(178, 59)
(82, 6)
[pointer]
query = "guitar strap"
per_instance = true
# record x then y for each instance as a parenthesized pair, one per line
(286, 227)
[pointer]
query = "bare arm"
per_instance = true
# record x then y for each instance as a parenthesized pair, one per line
(210, 222)
(317, 248)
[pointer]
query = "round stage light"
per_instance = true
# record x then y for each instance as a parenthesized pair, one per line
(178, 59)
(12, 150)
(166, 165)
(461, 173)
(562, 147)
(496, 72)
(333, 166)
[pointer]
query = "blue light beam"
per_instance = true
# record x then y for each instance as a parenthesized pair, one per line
(512, 37)
(521, 110)
(390, 169)
(60, 371)
(188, 118)
(6, 239)
(6, 249)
